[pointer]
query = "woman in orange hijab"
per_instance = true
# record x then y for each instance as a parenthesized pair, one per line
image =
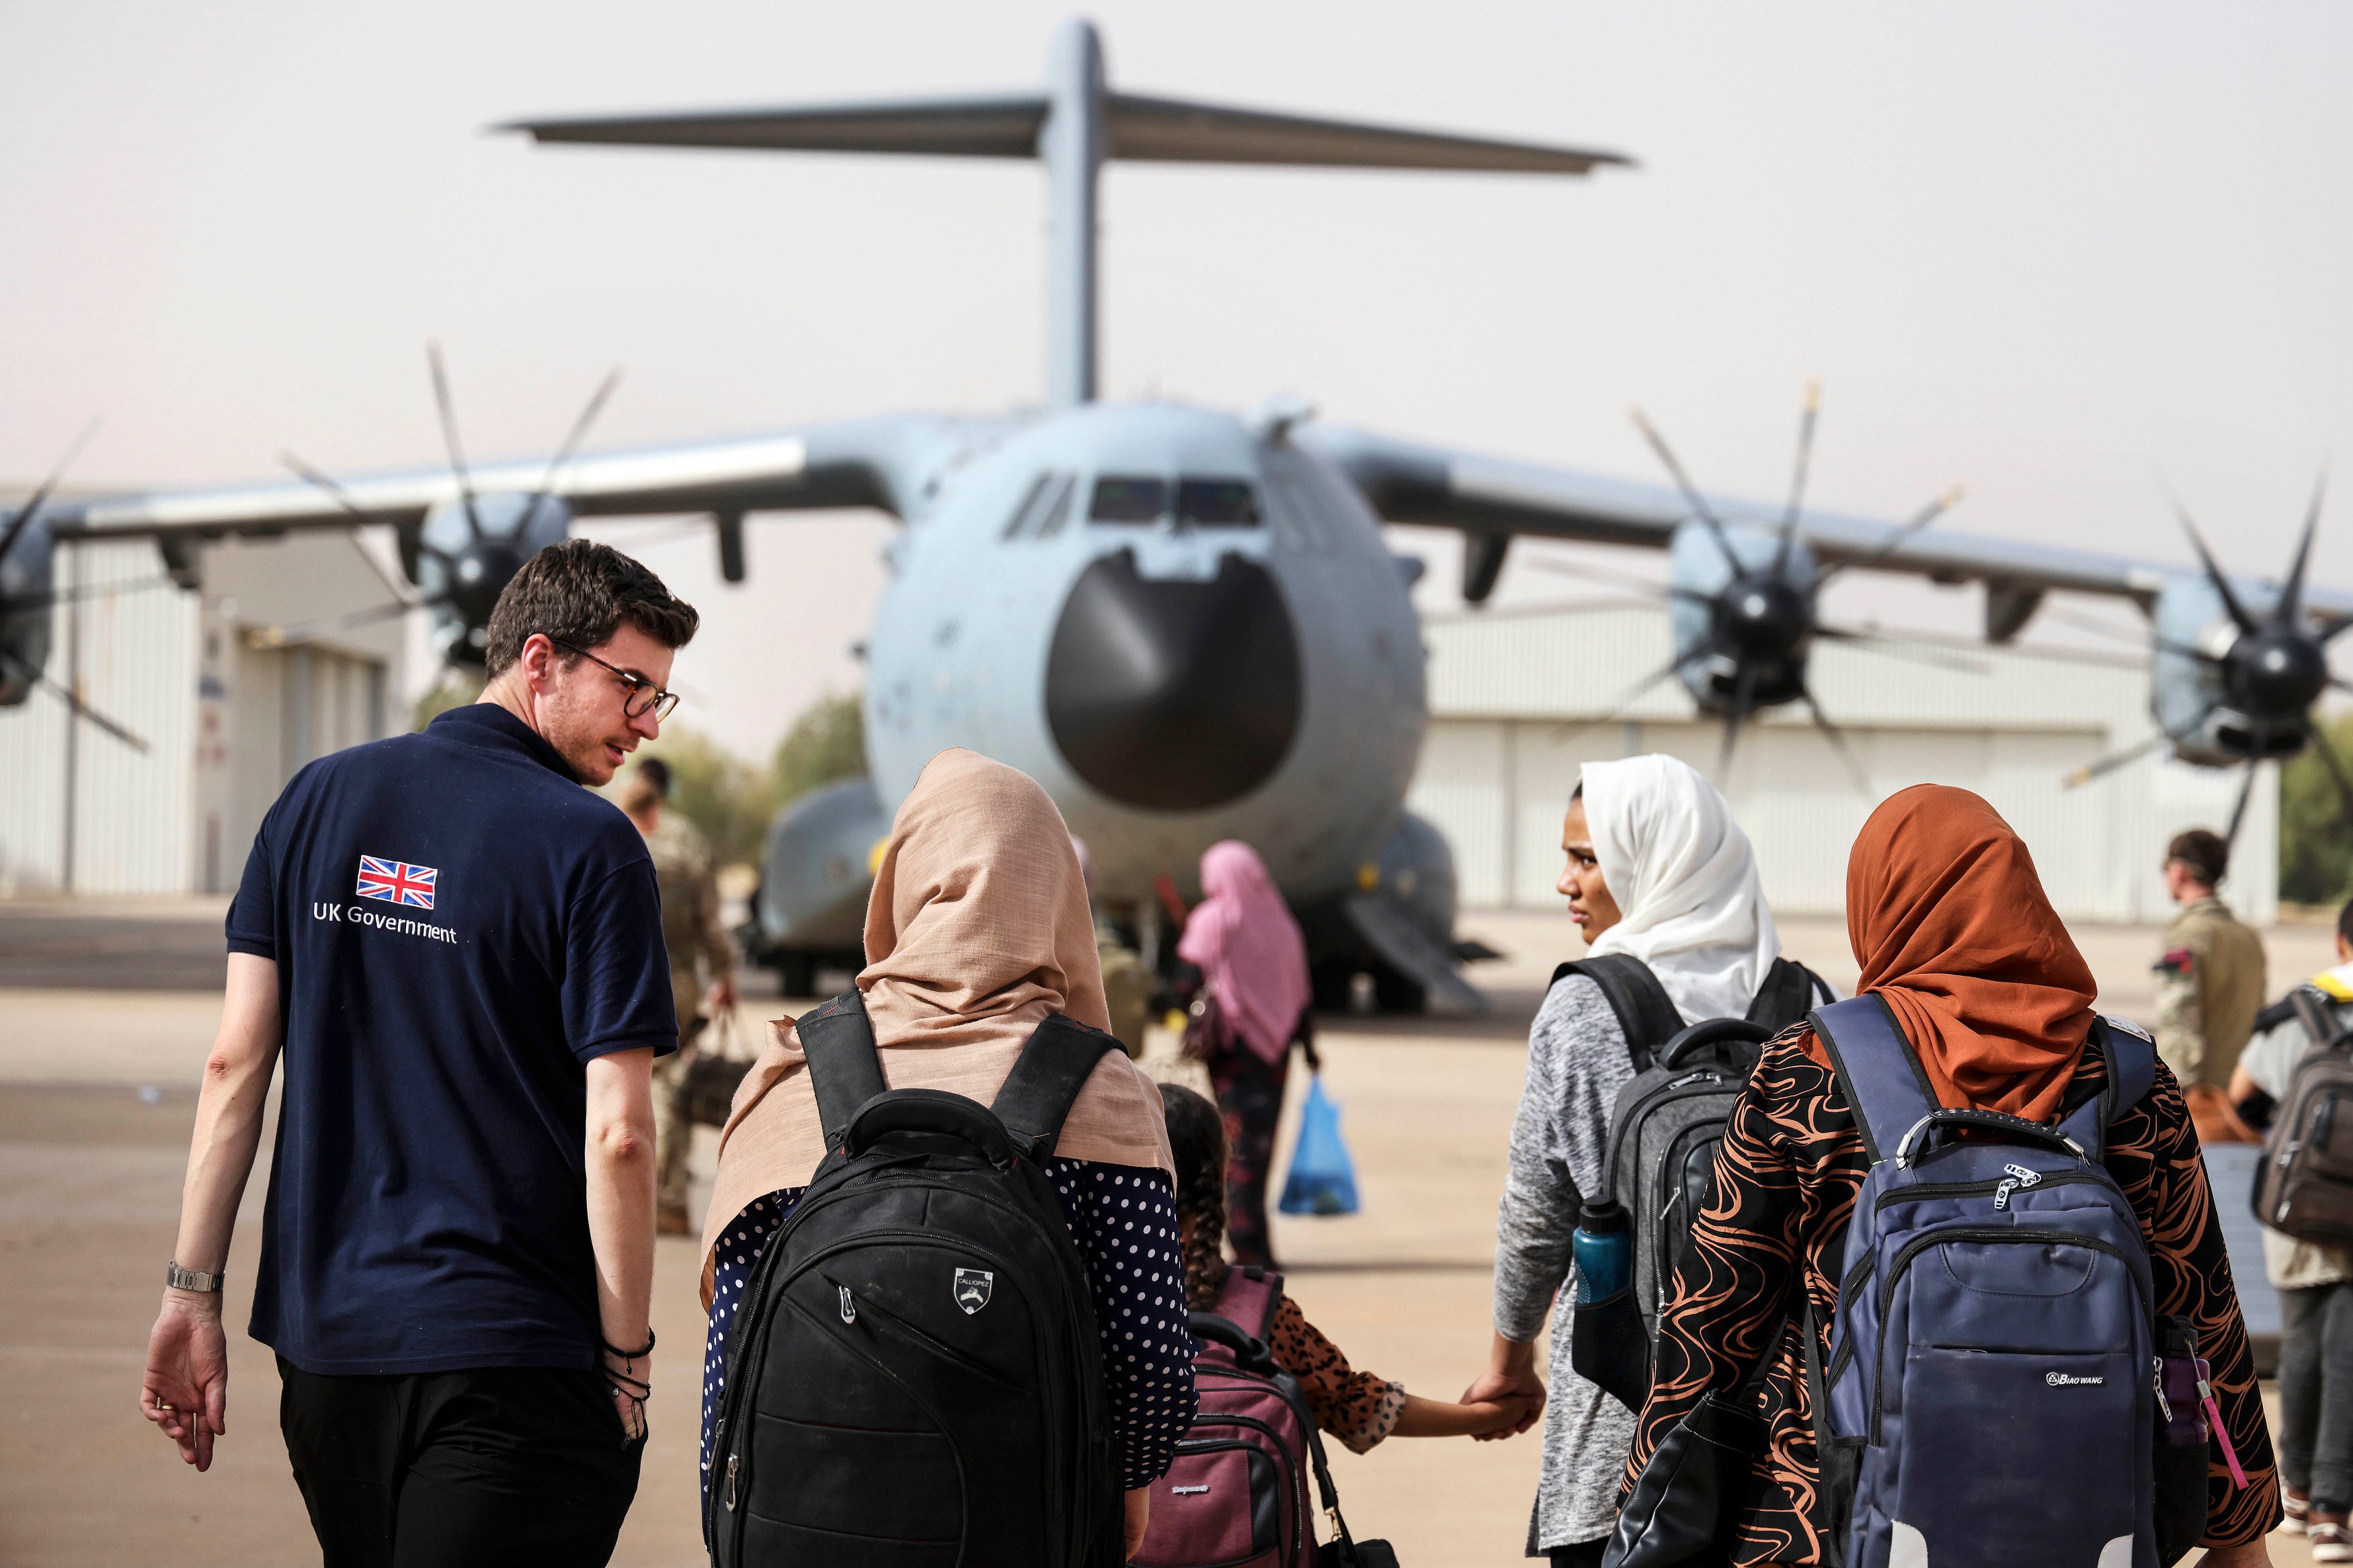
(1951, 929)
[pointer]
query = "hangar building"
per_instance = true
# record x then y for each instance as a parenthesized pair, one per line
(227, 717)
(1518, 699)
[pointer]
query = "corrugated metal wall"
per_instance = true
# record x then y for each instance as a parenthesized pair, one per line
(1520, 700)
(226, 722)
(126, 648)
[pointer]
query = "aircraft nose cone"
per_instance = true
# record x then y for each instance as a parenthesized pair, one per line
(1173, 695)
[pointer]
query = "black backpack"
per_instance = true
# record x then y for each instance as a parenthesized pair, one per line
(1664, 1129)
(914, 1377)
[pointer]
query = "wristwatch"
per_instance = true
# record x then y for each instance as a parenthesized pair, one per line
(178, 1279)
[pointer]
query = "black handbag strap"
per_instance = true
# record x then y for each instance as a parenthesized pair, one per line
(838, 1041)
(1038, 1092)
(1645, 1015)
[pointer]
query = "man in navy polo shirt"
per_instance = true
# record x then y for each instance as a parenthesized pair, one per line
(459, 950)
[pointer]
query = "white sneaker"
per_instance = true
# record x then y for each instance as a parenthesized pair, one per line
(2330, 1541)
(2298, 1508)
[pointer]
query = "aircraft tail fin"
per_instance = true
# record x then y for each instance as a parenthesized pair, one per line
(1150, 129)
(1076, 125)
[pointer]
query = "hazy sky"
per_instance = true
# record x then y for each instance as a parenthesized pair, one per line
(2045, 249)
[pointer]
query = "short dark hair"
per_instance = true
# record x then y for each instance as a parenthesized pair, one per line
(579, 592)
(2206, 855)
(656, 772)
(2344, 922)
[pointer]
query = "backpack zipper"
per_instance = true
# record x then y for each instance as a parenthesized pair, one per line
(1999, 1189)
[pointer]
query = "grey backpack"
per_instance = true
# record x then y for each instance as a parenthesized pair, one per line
(2305, 1185)
(1664, 1129)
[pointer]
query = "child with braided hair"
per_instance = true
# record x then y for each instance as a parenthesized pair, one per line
(1356, 1407)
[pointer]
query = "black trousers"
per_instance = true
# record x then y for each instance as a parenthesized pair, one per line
(499, 1466)
(2315, 1385)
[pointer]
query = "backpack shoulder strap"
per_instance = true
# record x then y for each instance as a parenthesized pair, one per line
(1788, 994)
(838, 1041)
(1044, 1083)
(2131, 1058)
(1645, 1015)
(1248, 1298)
(1877, 1068)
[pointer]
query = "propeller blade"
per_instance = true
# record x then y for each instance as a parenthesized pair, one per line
(449, 435)
(1901, 537)
(2149, 644)
(2238, 612)
(1625, 579)
(1837, 738)
(2329, 631)
(1626, 698)
(329, 486)
(571, 445)
(2290, 608)
(87, 591)
(34, 502)
(2336, 766)
(2239, 812)
(1743, 697)
(74, 704)
(2113, 761)
(307, 631)
(1697, 502)
(1798, 479)
(1899, 648)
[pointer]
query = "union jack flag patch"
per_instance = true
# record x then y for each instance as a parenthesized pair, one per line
(397, 882)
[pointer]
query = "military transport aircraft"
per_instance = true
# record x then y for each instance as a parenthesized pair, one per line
(1182, 621)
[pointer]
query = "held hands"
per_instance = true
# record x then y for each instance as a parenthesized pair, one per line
(186, 1389)
(1511, 1376)
(1510, 1399)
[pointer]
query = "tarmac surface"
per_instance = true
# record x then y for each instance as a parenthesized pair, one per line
(109, 1013)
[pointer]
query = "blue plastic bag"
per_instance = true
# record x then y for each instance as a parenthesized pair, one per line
(1323, 1178)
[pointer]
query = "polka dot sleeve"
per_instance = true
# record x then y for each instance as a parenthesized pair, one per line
(1123, 1220)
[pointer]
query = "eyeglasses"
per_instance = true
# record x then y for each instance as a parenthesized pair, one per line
(643, 694)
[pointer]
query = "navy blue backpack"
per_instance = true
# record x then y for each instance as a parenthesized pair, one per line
(1991, 1394)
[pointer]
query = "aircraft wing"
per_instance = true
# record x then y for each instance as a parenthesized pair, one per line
(852, 463)
(1493, 500)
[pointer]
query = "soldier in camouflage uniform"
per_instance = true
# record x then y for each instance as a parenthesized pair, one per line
(2210, 985)
(701, 972)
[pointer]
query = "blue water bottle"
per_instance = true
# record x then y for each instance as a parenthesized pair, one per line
(1603, 1248)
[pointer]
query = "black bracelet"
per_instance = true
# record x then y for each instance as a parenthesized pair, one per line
(609, 1348)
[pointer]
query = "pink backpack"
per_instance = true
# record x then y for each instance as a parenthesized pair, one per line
(1237, 1496)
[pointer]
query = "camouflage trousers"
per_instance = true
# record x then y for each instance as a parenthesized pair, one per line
(674, 1133)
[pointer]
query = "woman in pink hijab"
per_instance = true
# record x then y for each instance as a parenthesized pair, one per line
(1253, 984)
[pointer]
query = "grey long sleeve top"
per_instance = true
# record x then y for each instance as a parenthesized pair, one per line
(1578, 1062)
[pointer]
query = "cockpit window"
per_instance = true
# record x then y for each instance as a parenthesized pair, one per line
(1044, 508)
(1217, 503)
(1199, 503)
(1119, 500)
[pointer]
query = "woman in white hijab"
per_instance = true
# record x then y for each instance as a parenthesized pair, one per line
(1659, 871)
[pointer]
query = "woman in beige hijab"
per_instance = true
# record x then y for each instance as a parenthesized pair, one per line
(977, 930)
